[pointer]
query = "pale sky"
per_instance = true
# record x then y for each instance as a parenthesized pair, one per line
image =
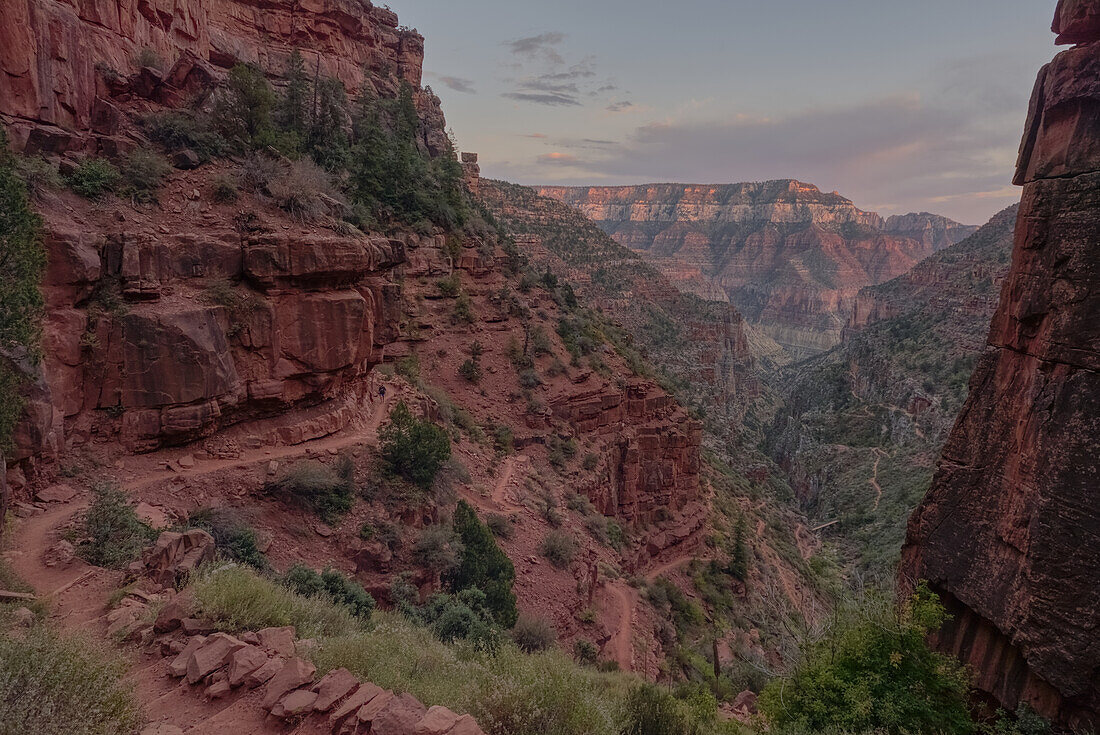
(900, 105)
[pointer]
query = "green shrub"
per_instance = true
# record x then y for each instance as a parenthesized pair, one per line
(464, 616)
(53, 685)
(38, 175)
(144, 172)
(412, 448)
(331, 585)
(559, 549)
(503, 439)
(148, 57)
(470, 371)
(438, 549)
(450, 287)
(242, 111)
(585, 652)
(483, 566)
(650, 710)
(327, 491)
(110, 534)
(176, 130)
(499, 525)
(533, 633)
(874, 671)
(408, 368)
(94, 178)
(225, 189)
(464, 309)
(235, 539)
(237, 599)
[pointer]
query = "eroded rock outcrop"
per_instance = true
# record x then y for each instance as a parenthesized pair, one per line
(790, 257)
(1008, 532)
(65, 67)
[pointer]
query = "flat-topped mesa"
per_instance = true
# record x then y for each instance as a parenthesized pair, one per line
(789, 256)
(64, 66)
(782, 202)
(1008, 531)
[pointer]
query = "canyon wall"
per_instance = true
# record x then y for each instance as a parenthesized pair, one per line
(1008, 533)
(701, 344)
(64, 66)
(790, 257)
(859, 428)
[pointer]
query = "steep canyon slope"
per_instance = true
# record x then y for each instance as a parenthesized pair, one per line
(1008, 532)
(789, 256)
(197, 345)
(859, 427)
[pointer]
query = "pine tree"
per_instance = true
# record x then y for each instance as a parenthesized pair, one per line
(293, 112)
(484, 566)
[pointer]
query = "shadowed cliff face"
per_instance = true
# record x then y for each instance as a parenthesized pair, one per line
(1009, 530)
(790, 257)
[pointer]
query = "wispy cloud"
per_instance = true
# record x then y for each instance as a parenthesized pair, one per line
(552, 99)
(621, 106)
(540, 46)
(458, 84)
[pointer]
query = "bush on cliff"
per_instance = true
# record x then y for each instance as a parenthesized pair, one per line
(874, 671)
(483, 566)
(327, 491)
(50, 685)
(94, 178)
(413, 448)
(332, 585)
(24, 261)
(110, 534)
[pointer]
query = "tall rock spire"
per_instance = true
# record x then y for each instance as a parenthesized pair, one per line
(1009, 533)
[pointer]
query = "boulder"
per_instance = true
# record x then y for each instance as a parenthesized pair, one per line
(278, 640)
(1077, 21)
(56, 494)
(438, 721)
(295, 673)
(400, 715)
(174, 556)
(213, 654)
(245, 661)
(296, 704)
(351, 706)
(264, 674)
(185, 160)
(333, 686)
(178, 667)
(466, 725)
(60, 554)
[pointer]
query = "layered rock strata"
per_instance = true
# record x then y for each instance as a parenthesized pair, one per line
(1008, 532)
(790, 257)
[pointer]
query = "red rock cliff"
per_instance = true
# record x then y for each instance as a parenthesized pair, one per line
(60, 62)
(1010, 531)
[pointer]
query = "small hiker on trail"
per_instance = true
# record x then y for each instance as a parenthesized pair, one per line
(382, 392)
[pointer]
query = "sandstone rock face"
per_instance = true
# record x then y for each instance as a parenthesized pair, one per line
(790, 257)
(653, 465)
(1008, 530)
(59, 60)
